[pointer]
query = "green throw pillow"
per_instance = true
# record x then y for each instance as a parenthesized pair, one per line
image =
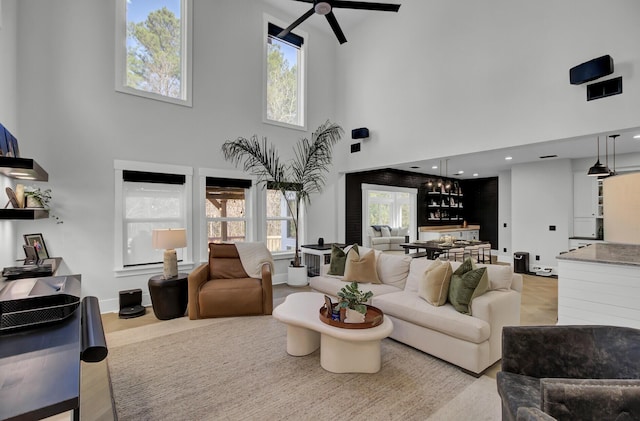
(466, 266)
(338, 260)
(464, 287)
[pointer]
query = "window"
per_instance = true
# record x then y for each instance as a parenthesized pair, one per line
(153, 49)
(389, 205)
(226, 210)
(149, 197)
(281, 234)
(284, 79)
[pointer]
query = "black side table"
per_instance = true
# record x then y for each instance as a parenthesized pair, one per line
(169, 297)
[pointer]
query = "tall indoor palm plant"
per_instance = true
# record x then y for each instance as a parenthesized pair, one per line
(304, 174)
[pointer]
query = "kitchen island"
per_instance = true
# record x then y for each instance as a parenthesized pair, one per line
(600, 284)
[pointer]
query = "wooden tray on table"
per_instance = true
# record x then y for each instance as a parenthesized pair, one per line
(372, 318)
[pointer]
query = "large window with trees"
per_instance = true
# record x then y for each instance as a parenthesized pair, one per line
(281, 234)
(149, 196)
(389, 205)
(153, 49)
(284, 79)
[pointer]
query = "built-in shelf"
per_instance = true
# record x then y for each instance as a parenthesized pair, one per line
(22, 169)
(29, 213)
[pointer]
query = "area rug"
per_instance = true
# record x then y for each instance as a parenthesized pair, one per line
(238, 369)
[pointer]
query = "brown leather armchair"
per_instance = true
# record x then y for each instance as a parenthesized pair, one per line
(223, 288)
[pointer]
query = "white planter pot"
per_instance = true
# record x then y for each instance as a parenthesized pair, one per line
(32, 202)
(353, 316)
(297, 276)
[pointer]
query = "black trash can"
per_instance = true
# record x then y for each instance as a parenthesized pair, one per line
(521, 262)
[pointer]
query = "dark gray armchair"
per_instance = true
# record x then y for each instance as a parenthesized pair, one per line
(570, 373)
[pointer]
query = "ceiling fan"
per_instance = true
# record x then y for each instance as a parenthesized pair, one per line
(326, 8)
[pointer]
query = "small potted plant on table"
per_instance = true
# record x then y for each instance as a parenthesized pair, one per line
(354, 301)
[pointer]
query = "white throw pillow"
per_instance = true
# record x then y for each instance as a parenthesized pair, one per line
(385, 231)
(393, 269)
(500, 276)
(403, 231)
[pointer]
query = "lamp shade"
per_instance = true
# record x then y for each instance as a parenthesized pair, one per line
(169, 238)
(598, 170)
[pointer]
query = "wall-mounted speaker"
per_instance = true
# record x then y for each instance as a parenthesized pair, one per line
(361, 133)
(591, 70)
(605, 88)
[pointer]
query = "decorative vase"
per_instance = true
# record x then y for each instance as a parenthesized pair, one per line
(353, 316)
(33, 202)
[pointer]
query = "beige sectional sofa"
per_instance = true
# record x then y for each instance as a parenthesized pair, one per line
(387, 238)
(473, 343)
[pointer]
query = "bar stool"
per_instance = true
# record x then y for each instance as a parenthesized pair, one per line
(472, 252)
(484, 253)
(454, 254)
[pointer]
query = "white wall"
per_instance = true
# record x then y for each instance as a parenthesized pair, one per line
(504, 216)
(74, 124)
(542, 195)
(8, 117)
(444, 78)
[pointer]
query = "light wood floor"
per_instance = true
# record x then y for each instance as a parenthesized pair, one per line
(539, 307)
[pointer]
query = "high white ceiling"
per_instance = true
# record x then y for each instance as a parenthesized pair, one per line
(347, 18)
(485, 164)
(489, 163)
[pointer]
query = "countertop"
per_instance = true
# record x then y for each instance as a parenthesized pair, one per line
(449, 228)
(607, 253)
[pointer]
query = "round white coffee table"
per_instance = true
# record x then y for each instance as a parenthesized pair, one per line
(341, 350)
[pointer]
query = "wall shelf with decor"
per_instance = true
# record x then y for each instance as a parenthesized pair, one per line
(442, 202)
(23, 169)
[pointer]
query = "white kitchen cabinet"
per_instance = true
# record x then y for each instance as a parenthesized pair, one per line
(585, 196)
(584, 227)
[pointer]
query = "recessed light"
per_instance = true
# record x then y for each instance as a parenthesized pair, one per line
(636, 136)
(475, 174)
(460, 172)
(435, 167)
(508, 158)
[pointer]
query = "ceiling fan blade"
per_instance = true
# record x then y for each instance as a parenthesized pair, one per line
(301, 19)
(336, 28)
(382, 7)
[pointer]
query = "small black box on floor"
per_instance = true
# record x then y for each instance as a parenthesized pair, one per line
(131, 304)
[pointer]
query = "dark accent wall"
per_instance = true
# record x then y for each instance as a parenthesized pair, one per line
(481, 206)
(475, 205)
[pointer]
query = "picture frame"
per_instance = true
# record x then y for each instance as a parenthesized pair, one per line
(37, 241)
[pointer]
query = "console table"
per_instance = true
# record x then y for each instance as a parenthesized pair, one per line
(40, 368)
(316, 255)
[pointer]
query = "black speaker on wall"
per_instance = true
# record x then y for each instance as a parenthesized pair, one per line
(591, 70)
(361, 133)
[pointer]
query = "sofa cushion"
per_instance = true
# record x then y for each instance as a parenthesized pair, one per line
(361, 268)
(380, 240)
(338, 260)
(416, 269)
(411, 308)
(500, 276)
(465, 286)
(393, 269)
(385, 231)
(434, 285)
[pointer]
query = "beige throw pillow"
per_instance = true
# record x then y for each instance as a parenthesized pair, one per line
(361, 269)
(434, 285)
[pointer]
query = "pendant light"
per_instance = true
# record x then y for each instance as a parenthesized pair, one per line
(598, 170)
(614, 136)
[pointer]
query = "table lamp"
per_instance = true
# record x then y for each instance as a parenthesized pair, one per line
(169, 240)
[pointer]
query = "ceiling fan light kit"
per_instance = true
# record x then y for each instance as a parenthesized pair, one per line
(325, 8)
